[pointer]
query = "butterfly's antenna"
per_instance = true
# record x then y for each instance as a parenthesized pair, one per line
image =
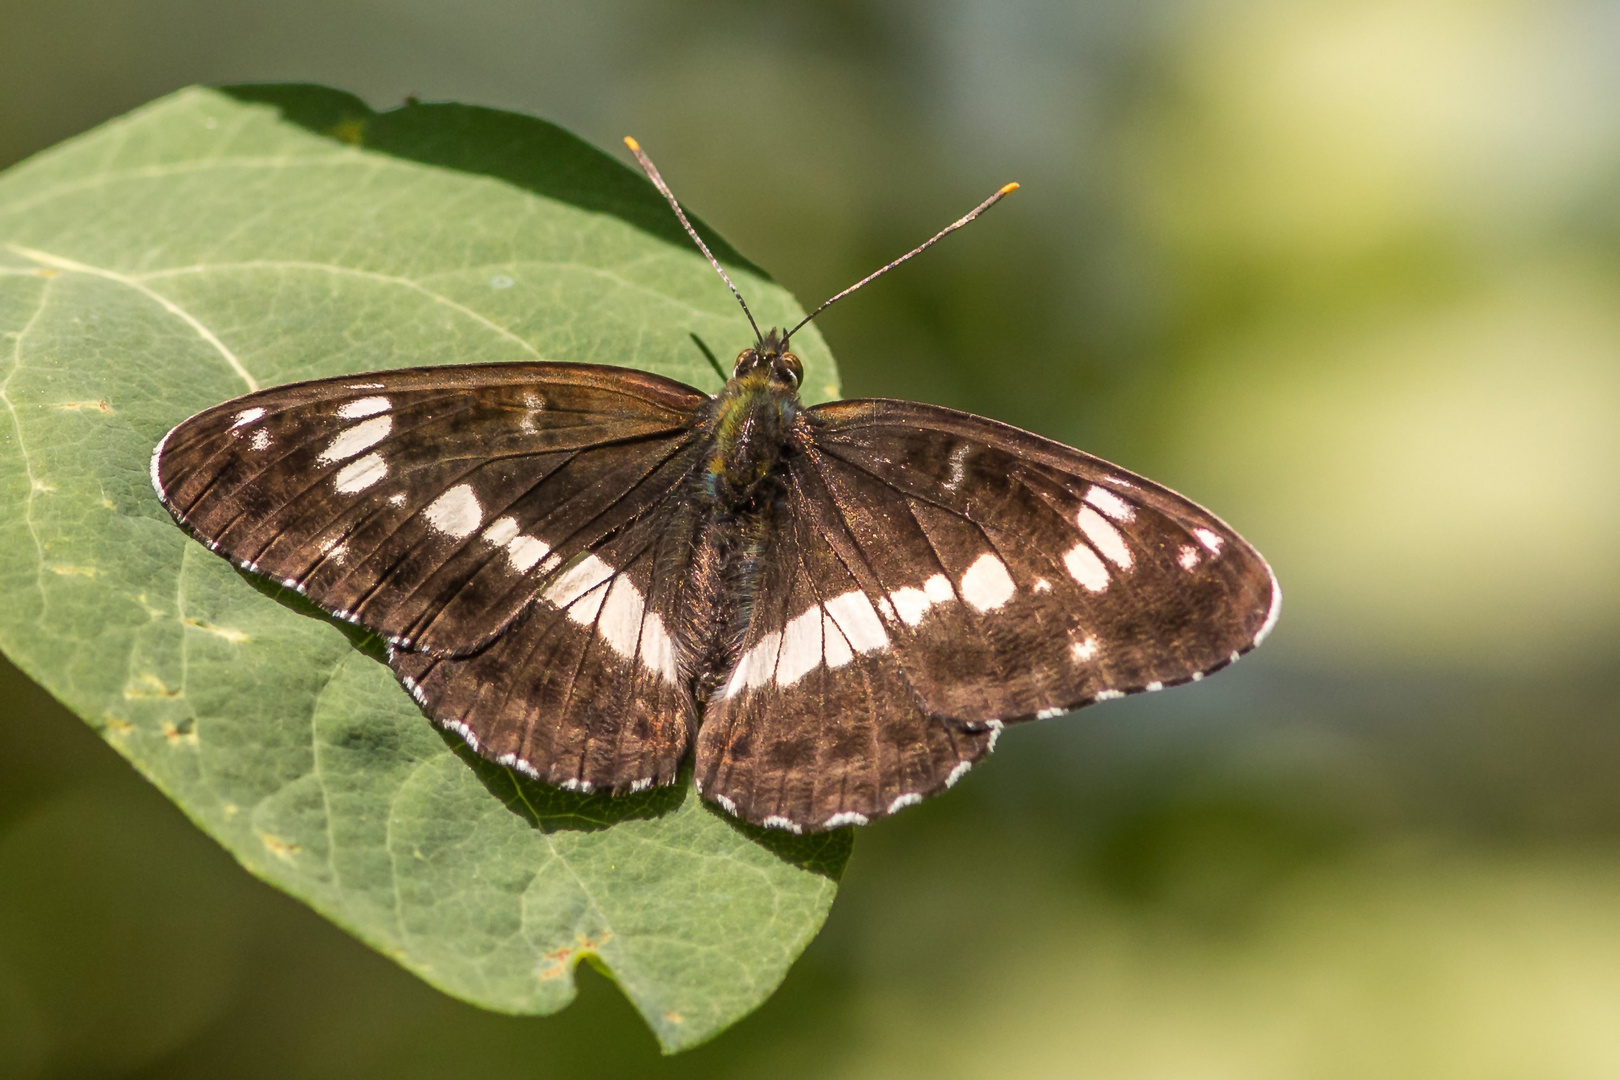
(1002, 193)
(658, 182)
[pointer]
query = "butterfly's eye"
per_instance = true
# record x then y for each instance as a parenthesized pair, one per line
(794, 367)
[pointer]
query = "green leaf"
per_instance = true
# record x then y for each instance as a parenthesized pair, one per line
(216, 241)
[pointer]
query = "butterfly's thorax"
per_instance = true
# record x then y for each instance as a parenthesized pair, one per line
(746, 437)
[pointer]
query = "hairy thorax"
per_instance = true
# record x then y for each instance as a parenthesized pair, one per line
(747, 440)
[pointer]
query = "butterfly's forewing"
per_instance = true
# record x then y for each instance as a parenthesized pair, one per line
(1008, 577)
(426, 504)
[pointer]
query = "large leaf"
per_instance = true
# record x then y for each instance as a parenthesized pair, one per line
(218, 241)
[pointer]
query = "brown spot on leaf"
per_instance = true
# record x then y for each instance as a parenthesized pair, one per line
(149, 686)
(564, 958)
(235, 637)
(178, 736)
(281, 849)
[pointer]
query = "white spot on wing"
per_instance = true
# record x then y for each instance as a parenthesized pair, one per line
(363, 407)
(512, 761)
(958, 466)
(1110, 504)
(397, 499)
(1188, 557)
(501, 531)
(1084, 566)
(658, 649)
(246, 416)
(463, 730)
(351, 441)
(848, 817)
(1210, 540)
(525, 551)
(1108, 695)
(855, 616)
(1083, 650)
(260, 440)
(640, 785)
(910, 798)
(534, 403)
(726, 804)
(1154, 687)
(1105, 538)
(836, 649)
(757, 665)
(986, 585)
(154, 464)
(456, 513)
(621, 617)
(1042, 585)
(576, 581)
(910, 605)
(776, 821)
(1272, 613)
(957, 773)
(360, 474)
(1047, 714)
(801, 647)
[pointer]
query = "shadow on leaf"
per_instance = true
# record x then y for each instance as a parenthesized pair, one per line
(823, 853)
(523, 151)
(551, 809)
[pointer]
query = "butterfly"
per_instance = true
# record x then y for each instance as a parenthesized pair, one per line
(590, 574)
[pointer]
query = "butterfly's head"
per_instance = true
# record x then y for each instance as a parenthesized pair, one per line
(771, 357)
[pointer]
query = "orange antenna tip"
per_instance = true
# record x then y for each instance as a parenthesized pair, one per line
(1001, 193)
(634, 146)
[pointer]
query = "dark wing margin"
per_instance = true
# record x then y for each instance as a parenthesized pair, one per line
(997, 577)
(425, 503)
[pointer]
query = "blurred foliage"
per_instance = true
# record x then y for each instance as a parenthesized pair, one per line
(1345, 271)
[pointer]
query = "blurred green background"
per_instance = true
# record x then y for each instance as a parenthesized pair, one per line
(1346, 272)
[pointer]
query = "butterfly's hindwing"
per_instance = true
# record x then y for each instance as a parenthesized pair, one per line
(584, 690)
(424, 503)
(817, 725)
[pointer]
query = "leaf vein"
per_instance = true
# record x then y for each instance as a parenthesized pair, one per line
(59, 262)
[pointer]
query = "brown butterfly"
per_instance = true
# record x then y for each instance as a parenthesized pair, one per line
(588, 573)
